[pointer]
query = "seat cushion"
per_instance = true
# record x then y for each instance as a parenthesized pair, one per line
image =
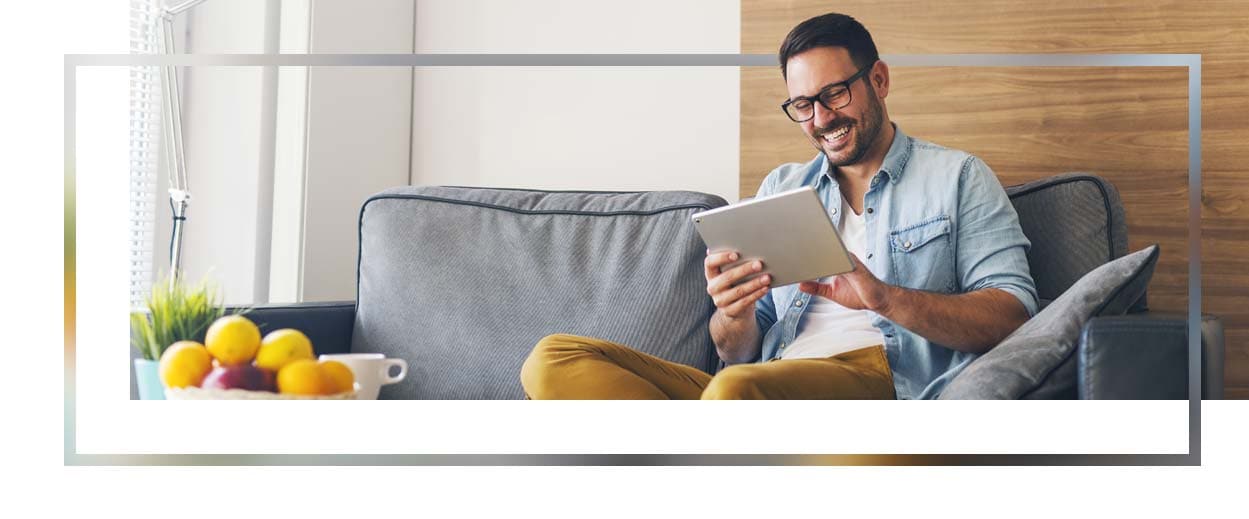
(1038, 360)
(1076, 223)
(462, 282)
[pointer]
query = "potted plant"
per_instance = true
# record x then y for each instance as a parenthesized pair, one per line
(173, 313)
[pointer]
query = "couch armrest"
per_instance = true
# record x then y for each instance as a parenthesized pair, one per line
(1145, 356)
(328, 325)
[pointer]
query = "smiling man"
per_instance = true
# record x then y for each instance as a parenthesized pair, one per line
(941, 274)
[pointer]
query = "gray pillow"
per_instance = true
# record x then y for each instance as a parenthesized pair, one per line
(1038, 360)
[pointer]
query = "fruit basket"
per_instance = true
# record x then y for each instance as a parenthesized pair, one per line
(236, 363)
(196, 393)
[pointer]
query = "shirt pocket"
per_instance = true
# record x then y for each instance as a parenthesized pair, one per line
(923, 255)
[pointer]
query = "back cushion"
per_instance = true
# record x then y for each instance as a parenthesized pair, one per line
(462, 282)
(1075, 222)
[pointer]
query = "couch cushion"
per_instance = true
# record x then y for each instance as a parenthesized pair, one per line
(1038, 360)
(462, 282)
(1075, 222)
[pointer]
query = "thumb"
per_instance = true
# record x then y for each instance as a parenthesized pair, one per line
(816, 288)
(858, 263)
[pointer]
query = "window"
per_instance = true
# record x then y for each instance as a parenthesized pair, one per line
(145, 139)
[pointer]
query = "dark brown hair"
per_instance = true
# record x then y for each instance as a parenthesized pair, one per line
(830, 30)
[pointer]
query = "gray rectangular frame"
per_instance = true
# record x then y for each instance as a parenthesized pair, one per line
(1190, 61)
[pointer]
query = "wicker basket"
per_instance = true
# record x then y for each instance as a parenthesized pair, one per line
(195, 393)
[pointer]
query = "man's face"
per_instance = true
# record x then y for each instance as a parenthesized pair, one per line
(843, 135)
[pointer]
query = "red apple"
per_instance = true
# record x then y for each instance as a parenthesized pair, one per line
(241, 376)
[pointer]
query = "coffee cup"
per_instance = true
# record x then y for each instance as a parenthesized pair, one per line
(372, 371)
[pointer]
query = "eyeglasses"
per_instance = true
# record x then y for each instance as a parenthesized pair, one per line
(832, 97)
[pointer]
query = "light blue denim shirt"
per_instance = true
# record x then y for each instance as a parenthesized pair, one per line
(937, 220)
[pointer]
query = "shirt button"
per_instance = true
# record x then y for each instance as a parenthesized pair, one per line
(870, 211)
(869, 255)
(906, 245)
(798, 304)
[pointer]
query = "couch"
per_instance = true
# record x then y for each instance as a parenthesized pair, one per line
(462, 282)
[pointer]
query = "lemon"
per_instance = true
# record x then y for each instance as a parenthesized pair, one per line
(304, 377)
(280, 347)
(184, 364)
(341, 378)
(232, 340)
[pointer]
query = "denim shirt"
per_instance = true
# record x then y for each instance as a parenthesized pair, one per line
(936, 220)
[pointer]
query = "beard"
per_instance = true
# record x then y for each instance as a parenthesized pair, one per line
(864, 132)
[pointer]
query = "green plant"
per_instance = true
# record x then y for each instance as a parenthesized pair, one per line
(174, 313)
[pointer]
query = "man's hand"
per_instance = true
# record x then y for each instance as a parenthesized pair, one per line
(856, 290)
(735, 302)
(972, 322)
(733, 327)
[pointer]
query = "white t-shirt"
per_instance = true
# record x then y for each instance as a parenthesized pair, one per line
(827, 328)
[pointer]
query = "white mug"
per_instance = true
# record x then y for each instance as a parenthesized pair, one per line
(372, 371)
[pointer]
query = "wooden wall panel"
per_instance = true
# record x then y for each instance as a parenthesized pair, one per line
(1127, 124)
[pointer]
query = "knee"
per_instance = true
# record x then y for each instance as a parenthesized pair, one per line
(557, 342)
(535, 372)
(553, 347)
(741, 382)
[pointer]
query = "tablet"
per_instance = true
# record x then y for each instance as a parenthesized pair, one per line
(789, 231)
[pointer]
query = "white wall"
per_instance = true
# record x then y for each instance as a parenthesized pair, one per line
(359, 131)
(578, 26)
(374, 128)
(631, 128)
(578, 128)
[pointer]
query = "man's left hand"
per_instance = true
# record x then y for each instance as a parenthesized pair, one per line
(856, 290)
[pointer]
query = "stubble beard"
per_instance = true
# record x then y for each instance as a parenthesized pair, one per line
(864, 135)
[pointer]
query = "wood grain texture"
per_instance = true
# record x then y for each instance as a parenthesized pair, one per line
(1129, 125)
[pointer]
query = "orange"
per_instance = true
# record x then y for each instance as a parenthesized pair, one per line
(280, 347)
(184, 364)
(341, 378)
(304, 377)
(233, 339)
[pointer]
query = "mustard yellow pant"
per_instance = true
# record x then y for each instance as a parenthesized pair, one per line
(574, 367)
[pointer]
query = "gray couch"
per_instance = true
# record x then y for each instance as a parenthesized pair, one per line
(462, 282)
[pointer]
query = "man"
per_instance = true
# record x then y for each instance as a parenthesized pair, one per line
(941, 274)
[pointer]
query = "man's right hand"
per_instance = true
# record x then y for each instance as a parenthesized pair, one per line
(735, 302)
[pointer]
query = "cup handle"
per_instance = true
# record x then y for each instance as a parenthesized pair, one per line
(403, 371)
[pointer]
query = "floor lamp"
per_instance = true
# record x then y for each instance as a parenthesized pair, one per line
(179, 189)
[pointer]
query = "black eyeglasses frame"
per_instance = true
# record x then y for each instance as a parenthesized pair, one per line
(817, 98)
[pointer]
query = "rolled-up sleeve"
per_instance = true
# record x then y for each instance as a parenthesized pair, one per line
(992, 248)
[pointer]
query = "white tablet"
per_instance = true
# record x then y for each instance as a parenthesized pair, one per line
(789, 231)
